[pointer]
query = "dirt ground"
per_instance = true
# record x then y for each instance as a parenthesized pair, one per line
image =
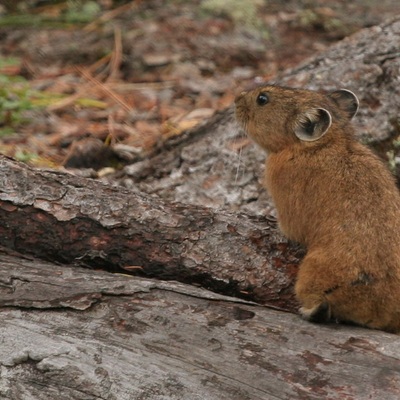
(94, 84)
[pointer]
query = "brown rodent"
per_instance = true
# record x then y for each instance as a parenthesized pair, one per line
(333, 195)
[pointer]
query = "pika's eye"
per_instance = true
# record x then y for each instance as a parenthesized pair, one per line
(262, 99)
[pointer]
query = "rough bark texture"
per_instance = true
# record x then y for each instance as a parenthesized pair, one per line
(61, 217)
(207, 167)
(69, 333)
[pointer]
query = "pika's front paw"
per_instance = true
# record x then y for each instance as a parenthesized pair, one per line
(319, 313)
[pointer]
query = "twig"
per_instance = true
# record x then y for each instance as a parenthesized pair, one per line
(104, 88)
(128, 87)
(82, 90)
(116, 58)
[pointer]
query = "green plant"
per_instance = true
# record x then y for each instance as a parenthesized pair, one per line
(14, 100)
(317, 18)
(242, 13)
(82, 11)
(16, 97)
(26, 156)
(74, 12)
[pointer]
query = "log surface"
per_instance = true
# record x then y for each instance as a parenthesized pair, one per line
(72, 334)
(64, 218)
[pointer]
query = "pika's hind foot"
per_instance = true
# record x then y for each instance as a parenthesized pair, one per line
(319, 313)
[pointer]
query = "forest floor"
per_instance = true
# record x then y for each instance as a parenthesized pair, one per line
(92, 84)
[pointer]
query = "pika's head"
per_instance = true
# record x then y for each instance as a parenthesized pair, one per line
(276, 117)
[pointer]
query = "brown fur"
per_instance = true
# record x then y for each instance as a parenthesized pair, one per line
(336, 197)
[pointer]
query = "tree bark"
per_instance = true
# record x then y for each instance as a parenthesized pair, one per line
(72, 334)
(64, 218)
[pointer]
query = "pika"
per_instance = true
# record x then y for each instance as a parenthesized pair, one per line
(333, 195)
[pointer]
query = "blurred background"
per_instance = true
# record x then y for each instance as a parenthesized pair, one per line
(97, 84)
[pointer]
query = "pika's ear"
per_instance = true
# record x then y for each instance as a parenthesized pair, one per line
(312, 124)
(346, 100)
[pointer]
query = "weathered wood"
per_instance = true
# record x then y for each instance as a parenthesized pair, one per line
(71, 334)
(61, 217)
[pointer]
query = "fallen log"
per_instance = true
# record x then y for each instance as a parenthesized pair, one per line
(71, 333)
(70, 219)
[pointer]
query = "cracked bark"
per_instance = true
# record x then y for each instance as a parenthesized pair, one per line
(70, 333)
(61, 217)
